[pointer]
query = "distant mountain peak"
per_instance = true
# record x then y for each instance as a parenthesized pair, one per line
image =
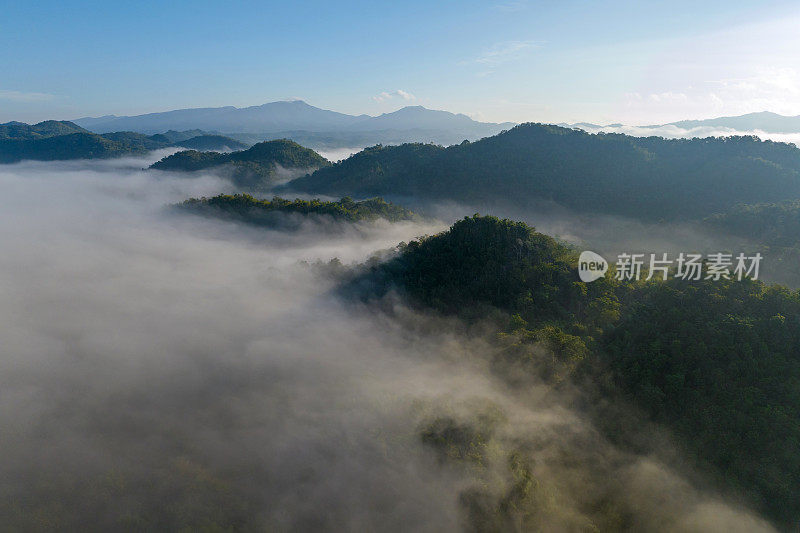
(765, 114)
(766, 121)
(296, 103)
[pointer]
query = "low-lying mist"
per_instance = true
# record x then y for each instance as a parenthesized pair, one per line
(161, 372)
(670, 131)
(337, 154)
(611, 235)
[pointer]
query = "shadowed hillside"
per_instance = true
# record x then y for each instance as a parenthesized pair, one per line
(255, 168)
(648, 178)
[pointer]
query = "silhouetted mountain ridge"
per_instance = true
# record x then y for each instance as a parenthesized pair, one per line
(296, 115)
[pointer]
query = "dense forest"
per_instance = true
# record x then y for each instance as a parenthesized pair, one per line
(273, 213)
(48, 128)
(63, 147)
(257, 168)
(647, 178)
(770, 224)
(62, 140)
(715, 361)
(772, 228)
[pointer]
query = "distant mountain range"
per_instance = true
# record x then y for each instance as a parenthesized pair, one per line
(764, 121)
(413, 123)
(324, 129)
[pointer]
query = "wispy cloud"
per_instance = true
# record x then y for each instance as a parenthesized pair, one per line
(775, 89)
(500, 53)
(505, 51)
(658, 98)
(765, 84)
(19, 96)
(399, 93)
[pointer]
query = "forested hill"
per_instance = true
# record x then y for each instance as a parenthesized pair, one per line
(648, 178)
(48, 128)
(770, 224)
(714, 361)
(256, 168)
(62, 147)
(273, 213)
(54, 141)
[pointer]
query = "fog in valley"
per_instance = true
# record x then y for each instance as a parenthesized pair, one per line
(672, 131)
(161, 371)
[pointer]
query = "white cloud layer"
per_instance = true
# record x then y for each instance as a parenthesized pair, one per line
(23, 97)
(669, 131)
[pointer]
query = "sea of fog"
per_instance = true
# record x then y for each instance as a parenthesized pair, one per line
(158, 370)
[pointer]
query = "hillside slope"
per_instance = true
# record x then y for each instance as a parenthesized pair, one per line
(54, 140)
(648, 178)
(48, 128)
(63, 147)
(714, 361)
(290, 214)
(256, 168)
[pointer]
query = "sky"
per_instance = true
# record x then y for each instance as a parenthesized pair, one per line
(513, 60)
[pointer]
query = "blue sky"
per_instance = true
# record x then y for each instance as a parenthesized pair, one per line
(635, 62)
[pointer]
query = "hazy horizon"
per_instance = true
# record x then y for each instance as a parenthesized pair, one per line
(401, 107)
